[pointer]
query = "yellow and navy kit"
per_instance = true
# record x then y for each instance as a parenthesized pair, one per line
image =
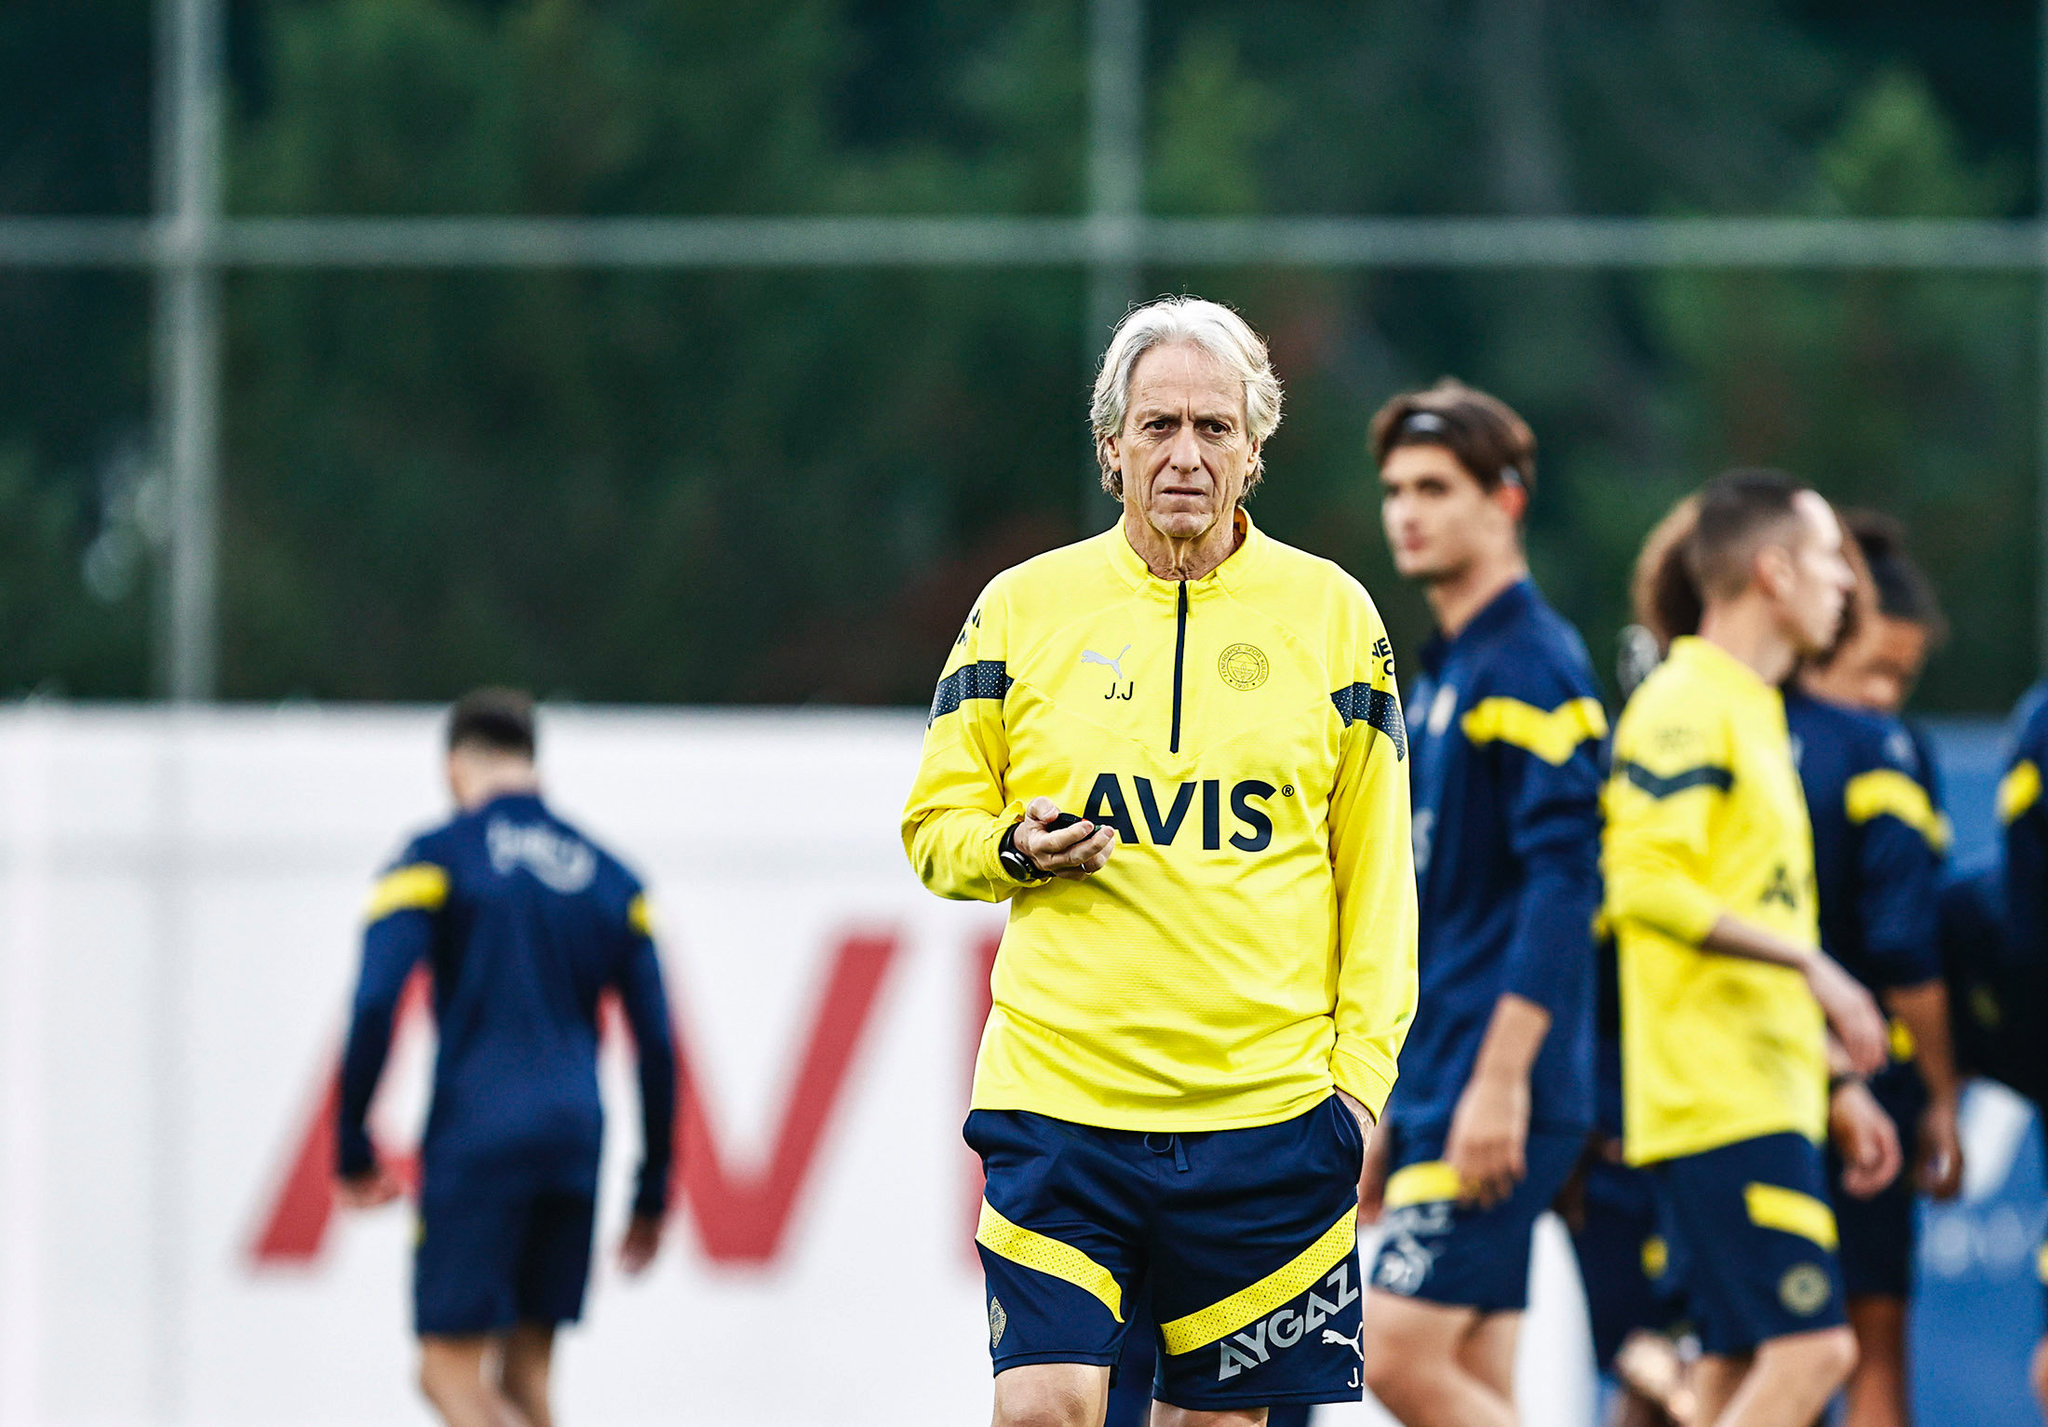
(1878, 840)
(1252, 939)
(1506, 732)
(1705, 817)
(2024, 817)
(523, 923)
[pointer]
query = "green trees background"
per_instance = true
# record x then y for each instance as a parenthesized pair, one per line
(752, 487)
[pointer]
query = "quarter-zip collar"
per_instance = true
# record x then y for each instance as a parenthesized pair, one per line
(1494, 616)
(1237, 567)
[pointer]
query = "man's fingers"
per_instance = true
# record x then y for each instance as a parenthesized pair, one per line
(1042, 810)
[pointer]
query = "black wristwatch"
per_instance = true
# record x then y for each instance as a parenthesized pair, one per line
(1016, 863)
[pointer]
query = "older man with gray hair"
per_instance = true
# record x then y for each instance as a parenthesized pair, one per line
(1176, 750)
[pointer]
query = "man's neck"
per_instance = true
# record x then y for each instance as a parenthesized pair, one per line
(499, 781)
(1745, 628)
(1191, 559)
(1456, 601)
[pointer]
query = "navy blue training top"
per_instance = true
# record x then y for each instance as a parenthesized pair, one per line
(1877, 840)
(523, 922)
(2023, 815)
(1506, 733)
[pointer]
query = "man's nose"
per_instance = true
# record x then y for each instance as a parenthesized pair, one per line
(1186, 452)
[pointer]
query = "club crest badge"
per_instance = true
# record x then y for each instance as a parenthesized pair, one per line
(1243, 667)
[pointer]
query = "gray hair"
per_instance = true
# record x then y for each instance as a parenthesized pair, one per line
(1213, 328)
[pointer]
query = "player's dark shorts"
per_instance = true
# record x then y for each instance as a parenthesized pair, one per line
(1628, 1261)
(1759, 1240)
(489, 1259)
(1246, 1241)
(1460, 1255)
(1877, 1233)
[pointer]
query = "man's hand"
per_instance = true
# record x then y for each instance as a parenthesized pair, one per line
(1940, 1171)
(641, 1243)
(1071, 852)
(1489, 1138)
(1379, 1153)
(1866, 1139)
(374, 1186)
(1853, 1013)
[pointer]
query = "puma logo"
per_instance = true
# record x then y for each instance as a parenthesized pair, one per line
(1115, 666)
(1355, 1342)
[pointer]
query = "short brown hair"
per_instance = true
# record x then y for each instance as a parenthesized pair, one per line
(1663, 595)
(1483, 432)
(495, 720)
(1738, 510)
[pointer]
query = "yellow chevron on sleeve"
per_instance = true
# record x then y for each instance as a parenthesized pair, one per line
(1049, 1256)
(2019, 790)
(1431, 1181)
(1884, 791)
(420, 886)
(1772, 1206)
(1552, 736)
(640, 916)
(1282, 1285)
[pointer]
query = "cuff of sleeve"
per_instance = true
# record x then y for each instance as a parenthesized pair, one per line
(1682, 910)
(1365, 1074)
(991, 848)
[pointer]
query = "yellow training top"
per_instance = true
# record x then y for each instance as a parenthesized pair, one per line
(1705, 816)
(1252, 939)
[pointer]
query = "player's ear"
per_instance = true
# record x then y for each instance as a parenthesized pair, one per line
(1772, 570)
(1513, 501)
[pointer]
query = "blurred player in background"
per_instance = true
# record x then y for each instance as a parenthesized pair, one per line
(1726, 995)
(1629, 1262)
(523, 924)
(2024, 818)
(1191, 1037)
(1878, 849)
(1505, 729)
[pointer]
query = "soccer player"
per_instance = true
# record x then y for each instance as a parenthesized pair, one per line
(1205, 980)
(2024, 818)
(1878, 848)
(1505, 729)
(1726, 995)
(1628, 1259)
(523, 923)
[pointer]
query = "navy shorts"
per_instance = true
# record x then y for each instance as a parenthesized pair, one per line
(1627, 1259)
(1877, 1233)
(1244, 1242)
(1759, 1240)
(1460, 1255)
(489, 1259)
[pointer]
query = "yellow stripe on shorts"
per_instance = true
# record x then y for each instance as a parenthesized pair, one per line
(1430, 1182)
(421, 887)
(1283, 1285)
(1772, 1206)
(1048, 1256)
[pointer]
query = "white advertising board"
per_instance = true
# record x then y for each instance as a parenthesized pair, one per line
(181, 896)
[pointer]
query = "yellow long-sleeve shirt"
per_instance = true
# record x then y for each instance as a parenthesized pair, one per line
(1252, 939)
(1705, 817)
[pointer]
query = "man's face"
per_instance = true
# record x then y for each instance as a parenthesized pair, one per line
(1878, 667)
(1820, 577)
(1185, 452)
(1439, 520)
